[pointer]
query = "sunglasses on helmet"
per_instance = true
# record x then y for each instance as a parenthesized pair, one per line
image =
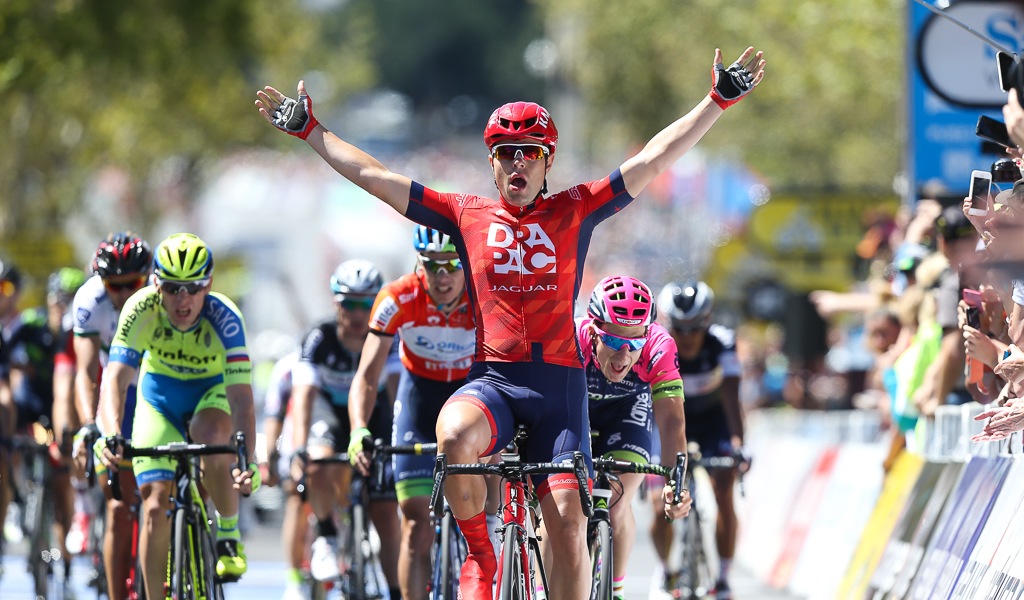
(437, 266)
(189, 287)
(615, 343)
(513, 151)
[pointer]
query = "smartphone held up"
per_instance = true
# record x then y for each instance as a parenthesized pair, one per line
(981, 187)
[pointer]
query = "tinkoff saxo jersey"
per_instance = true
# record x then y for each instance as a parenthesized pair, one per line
(215, 346)
(523, 264)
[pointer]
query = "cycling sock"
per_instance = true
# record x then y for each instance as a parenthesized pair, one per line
(480, 566)
(723, 569)
(227, 527)
(325, 528)
(294, 576)
(619, 588)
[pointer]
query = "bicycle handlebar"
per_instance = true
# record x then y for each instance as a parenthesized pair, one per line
(512, 470)
(172, 450)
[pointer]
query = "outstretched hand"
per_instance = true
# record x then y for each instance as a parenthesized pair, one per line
(730, 84)
(294, 117)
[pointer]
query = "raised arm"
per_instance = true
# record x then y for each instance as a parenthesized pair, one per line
(670, 144)
(295, 117)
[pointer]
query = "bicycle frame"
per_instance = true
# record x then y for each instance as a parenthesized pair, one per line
(520, 544)
(191, 555)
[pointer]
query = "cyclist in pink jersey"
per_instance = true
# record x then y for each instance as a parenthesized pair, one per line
(523, 254)
(632, 369)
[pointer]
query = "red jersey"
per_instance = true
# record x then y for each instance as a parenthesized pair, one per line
(523, 264)
(433, 345)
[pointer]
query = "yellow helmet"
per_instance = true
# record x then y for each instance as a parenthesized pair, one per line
(183, 257)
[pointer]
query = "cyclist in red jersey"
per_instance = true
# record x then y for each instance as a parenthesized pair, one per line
(523, 254)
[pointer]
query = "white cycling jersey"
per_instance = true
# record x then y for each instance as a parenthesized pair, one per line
(93, 313)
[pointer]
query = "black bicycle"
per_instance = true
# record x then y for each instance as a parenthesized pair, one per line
(449, 549)
(192, 556)
(38, 515)
(522, 570)
(695, 578)
(362, 575)
(599, 526)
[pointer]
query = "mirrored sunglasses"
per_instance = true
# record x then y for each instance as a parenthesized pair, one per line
(616, 343)
(437, 266)
(190, 287)
(356, 304)
(513, 151)
(131, 284)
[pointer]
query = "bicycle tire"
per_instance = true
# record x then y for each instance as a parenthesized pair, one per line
(359, 549)
(601, 561)
(696, 573)
(212, 589)
(512, 577)
(452, 554)
(39, 550)
(180, 549)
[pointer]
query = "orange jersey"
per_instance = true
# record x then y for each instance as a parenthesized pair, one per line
(433, 345)
(523, 265)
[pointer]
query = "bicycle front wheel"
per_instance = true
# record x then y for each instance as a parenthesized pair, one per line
(601, 565)
(696, 573)
(513, 581)
(181, 558)
(452, 554)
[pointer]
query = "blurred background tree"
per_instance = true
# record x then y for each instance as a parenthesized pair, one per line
(828, 114)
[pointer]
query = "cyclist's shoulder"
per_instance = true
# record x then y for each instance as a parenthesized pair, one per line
(721, 337)
(405, 290)
(223, 315)
(319, 339)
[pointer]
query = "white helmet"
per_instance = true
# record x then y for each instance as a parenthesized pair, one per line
(356, 278)
(688, 304)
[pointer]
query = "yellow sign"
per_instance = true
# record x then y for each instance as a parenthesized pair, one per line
(823, 225)
(895, 493)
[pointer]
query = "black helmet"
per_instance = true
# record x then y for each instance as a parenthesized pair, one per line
(122, 253)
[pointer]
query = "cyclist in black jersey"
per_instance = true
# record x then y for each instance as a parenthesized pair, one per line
(711, 378)
(326, 367)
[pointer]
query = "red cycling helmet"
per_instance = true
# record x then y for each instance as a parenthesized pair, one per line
(622, 301)
(521, 120)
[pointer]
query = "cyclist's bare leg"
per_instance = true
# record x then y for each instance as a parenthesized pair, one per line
(623, 521)
(214, 427)
(384, 514)
(566, 527)
(417, 537)
(722, 481)
(64, 505)
(155, 535)
(327, 484)
(117, 538)
(463, 434)
(294, 526)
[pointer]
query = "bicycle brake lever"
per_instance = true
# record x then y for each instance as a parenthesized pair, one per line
(678, 476)
(579, 467)
(113, 479)
(437, 492)
(241, 454)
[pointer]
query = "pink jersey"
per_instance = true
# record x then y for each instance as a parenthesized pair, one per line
(523, 265)
(658, 362)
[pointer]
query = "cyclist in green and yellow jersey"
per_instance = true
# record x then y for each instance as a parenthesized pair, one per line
(190, 345)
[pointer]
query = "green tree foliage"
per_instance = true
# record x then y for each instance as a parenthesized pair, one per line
(94, 83)
(828, 113)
